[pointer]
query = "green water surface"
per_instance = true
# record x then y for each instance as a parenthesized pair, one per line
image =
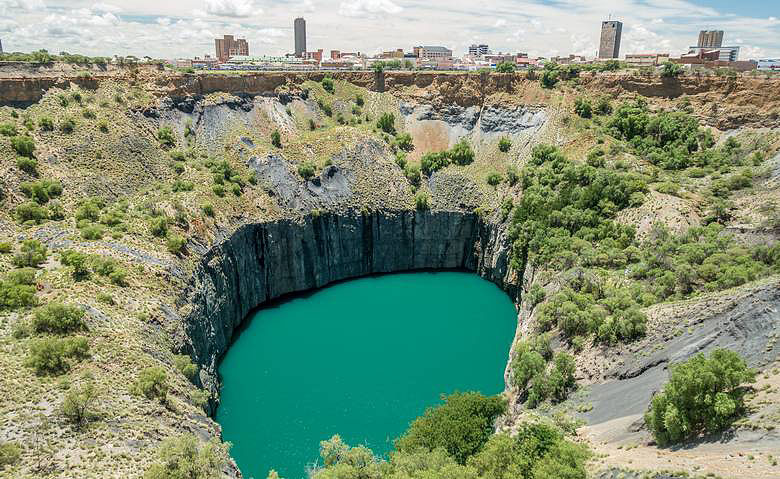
(361, 359)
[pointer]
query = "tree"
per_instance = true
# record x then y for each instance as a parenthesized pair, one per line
(152, 383)
(404, 142)
(51, 355)
(461, 426)
(461, 153)
(327, 84)
(671, 70)
(78, 403)
(704, 394)
(549, 77)
(505, 67)
(184, 457)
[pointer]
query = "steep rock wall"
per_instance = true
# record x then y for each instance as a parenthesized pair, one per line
(263, 261)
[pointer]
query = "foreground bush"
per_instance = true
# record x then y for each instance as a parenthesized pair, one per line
(187, 458)
(56, 355)
(386, 123)
(23, 145)
(460, 426)
(703, 395)
(58, 318)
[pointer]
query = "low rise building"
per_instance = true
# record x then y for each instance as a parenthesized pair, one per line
(646, 59)
(229, 46)
(724, 54)
(769, 65)
(433, 53)
(316, 56)
(476, 51)
(392, 54)
(570, 60)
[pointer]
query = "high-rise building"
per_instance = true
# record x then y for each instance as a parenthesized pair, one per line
(1, 46)
(228, 47)
(300, 37)
(478, 50)
(710, 39)
(609, 46)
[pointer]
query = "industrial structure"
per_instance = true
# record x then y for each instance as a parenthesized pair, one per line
(710, 39)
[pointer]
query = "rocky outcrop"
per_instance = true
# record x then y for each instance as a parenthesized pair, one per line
(263, 261)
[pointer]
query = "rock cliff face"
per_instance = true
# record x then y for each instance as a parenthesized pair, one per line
(261, 262)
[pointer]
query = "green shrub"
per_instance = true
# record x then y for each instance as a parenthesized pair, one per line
(175, 243)
(549, 78)
(92, 232)
(404, 142)
(276, 139)
(583, 107)
(103, 126)
(54, 356)
(6, 247)
(185, 457)
(23, 145)
(58, 318)
(461, 153)
(386, 123)
(78, 404)
(208, 210)
(180, 185)
(68, 125)
(494, 178)
(359, 101)
(8, 129)
(166, 137)
(400, 159)
(152, 383)
(31, 254)
(10, 452)
(28, 165)
(461, 426)
(31, 213)
(17, 289)
(118, 277)
(535, 295)
(88, 114)
(431, 162)
(41, 191)
(89, 210)
(185, 365)
(159, 226)
(505, 67)
(703, 395)
(671, 70)
(327, 84)
(218, 190)
(421, 201)
(412, 173)
(512, 175)
(46, 124)
(307, 170)
(504, 144)
(312, 124)
(603, 106)
(105, 298)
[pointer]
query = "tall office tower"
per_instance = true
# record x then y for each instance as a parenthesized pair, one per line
(711, 38)
(300, 37)
(609, 46)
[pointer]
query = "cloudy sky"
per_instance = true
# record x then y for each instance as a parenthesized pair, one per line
(180, 28)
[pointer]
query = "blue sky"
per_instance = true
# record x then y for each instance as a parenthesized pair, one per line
(181, 28)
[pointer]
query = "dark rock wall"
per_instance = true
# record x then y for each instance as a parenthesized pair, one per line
(263, 261)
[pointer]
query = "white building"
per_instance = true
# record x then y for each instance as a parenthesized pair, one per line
(478, 50)
(769, 65)
(433, 52)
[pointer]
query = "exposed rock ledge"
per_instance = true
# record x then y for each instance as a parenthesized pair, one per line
(263, 261)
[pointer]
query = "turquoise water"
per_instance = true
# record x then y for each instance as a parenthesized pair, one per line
(360, 359)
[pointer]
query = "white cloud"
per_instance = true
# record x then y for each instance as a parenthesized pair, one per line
(26, 5)
(232, 8)
(368, 8)
(106, 7)
(499, 23)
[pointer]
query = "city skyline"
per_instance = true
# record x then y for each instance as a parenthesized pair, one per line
(541, 28)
